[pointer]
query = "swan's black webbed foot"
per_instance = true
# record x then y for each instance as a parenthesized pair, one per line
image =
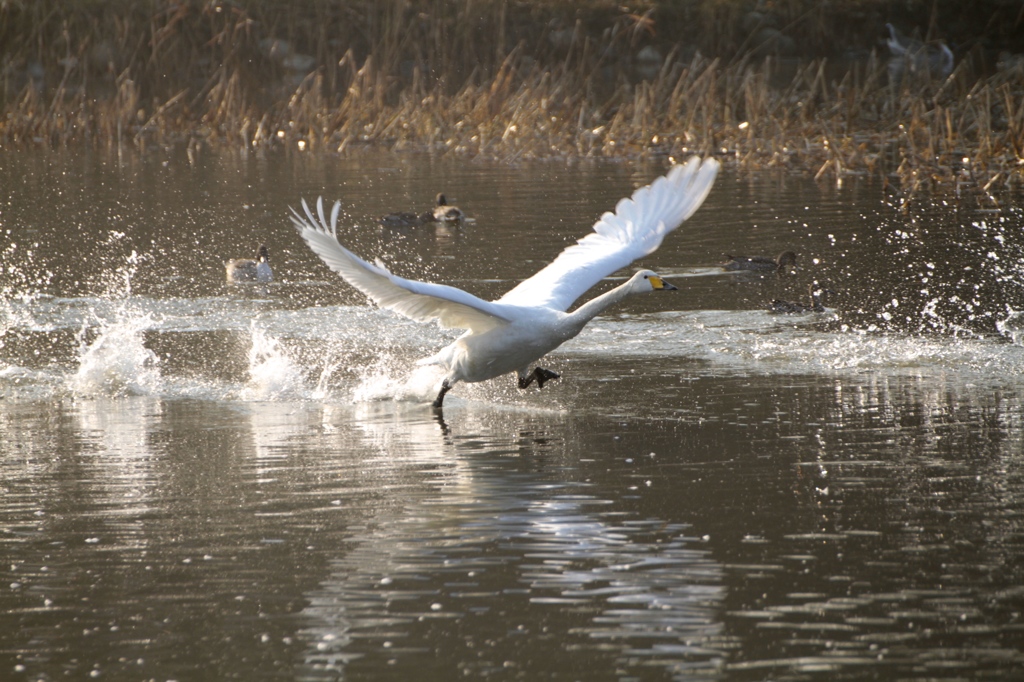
(439, 400)
(540, 375)
(544, 375)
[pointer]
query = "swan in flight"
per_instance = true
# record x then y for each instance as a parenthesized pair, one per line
(531, 320)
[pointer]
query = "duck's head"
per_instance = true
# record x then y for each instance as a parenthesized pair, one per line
(442, 200)
(262, 254)
(648, 280)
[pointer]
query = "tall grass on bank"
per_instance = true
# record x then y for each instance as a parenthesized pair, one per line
(483, 78)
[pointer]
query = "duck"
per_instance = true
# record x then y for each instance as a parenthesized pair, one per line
(445, 213)
(790, 307)
(250, 270)
(508, 335)
(911, 57)
(780, 263)
(407, 219)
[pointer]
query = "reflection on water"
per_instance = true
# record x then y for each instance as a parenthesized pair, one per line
(496, 547)
(202, 480)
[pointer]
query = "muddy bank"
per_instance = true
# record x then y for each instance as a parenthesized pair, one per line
(758, 84)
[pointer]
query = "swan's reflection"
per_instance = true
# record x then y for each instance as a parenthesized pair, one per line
(487, 545)
(117, 458)
(275, 427)
(122, 460)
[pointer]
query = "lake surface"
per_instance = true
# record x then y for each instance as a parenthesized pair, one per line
(210, 481)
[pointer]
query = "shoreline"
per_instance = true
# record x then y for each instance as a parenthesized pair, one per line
(227, 78)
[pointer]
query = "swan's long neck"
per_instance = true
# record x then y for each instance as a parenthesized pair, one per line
(595, 306)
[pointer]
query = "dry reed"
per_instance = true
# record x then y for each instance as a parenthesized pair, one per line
(475, 78)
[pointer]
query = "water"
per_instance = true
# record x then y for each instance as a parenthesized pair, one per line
(202, 480)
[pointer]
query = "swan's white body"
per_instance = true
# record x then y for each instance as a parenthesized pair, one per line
(529, 321)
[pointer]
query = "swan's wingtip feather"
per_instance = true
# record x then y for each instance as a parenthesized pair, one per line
(316, 221)
(320, 212)
(334, 217)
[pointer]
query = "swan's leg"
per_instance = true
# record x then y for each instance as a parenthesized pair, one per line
(543, 375)
(539, 374)
(445, 387)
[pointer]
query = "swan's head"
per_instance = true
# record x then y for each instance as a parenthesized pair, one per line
(648, 280)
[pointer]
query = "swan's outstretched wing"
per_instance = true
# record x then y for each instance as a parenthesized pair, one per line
(633, 231)
(420, 301)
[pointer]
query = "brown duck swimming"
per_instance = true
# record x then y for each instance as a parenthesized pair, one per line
(408, 219)
(441, 213)
(445, 213)
(250, 270)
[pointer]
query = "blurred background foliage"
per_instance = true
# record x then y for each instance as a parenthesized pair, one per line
(167, 46)
(769, 82)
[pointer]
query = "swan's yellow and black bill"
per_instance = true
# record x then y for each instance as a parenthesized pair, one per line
(659, 283)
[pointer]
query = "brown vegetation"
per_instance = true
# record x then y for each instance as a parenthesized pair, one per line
(513, 80)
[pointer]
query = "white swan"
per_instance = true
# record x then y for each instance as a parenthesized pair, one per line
(529, 321)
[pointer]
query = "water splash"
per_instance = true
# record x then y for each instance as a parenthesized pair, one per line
(945, 269)
(421, 385)
(21, 284)
(116, 362)
(1013, 327)
(322, 391)
(116, 282)
(273, 375)
(379, 381)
